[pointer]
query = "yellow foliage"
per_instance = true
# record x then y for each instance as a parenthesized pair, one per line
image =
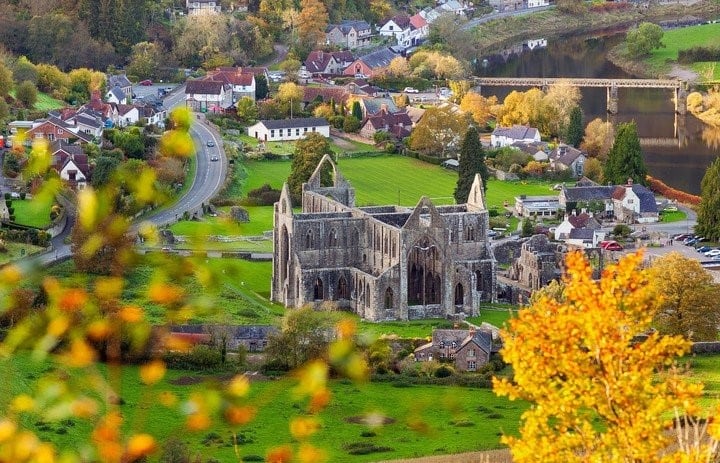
(596, 393)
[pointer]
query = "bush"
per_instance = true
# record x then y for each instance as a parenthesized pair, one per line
(252, 458)
(351, 124)
(199, 358)
(264, 196)
(622, 230)
(444, 371)
(337, 122)
(364, 448)
(699, 53)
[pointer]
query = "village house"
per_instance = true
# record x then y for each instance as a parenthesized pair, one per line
(207, 95)
(454, 7)
(596, 198)
(153, 115)
(506, 136)
(468, 349)
(289, 129)
(71, 163)
(507, 5)
(537, 3)
(127, 115)
(54, 128)
(397, 124)
(122, 82)
(242, 82)
(373, 106)
(371, 64)
(567, 158)
(116, 95)
(252, 338)
(536, 206)
(324, 95)
(584, 220)
(633, 203)
(400, 27)
(324, 63)
(195, 7)
(580, 238)
(349, 34)
(83, 120)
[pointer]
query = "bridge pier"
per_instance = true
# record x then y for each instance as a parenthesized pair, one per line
(680, 100)
(612, 99)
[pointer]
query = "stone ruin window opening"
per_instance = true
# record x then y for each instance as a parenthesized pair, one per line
(478, 280)
(333, 238)
(319, 292)
(343, 289)
(309, 240)
(459, 295)
(424, 270)
(470, 233)
(388, 299)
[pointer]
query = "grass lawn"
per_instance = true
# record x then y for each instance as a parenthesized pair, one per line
(495, 314)
(32, 213)
(260, 217)
(684, 38)
(672, 216)
(45, 102)
(411, 179)
(288, 147)
(239, 293)
(422, 420)
(15, 251)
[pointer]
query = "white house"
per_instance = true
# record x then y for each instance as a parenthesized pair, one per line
(202, 6)
(207, 95)
(634, 203)
(289, 129)
(565, 157)
(537, 3)
(398, 26)
(127, 115)
(241, 82)
(505, 136)
(116, 95)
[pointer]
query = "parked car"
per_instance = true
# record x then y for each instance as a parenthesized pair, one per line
(715, 258)
(614, 247)
(681, 236)
(146, 82)
(214, 158)
(703, 249)
(411, 90)
(712, 252)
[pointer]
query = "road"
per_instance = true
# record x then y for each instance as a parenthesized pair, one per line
(207, 182)
(483, 19)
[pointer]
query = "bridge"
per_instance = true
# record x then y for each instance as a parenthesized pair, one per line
(612, 85)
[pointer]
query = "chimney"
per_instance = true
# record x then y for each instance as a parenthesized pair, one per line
(583, 211)
(629, 182)
(574, 212)
(320, 55)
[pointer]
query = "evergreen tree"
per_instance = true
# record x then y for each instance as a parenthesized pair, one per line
(527, 228)
(708, 217)
(261, 88)
(472, 161)
(308, 153)
(357, 110)
(575, 130)
(625, 158)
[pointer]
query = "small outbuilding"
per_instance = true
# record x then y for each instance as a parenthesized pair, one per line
(289, 129)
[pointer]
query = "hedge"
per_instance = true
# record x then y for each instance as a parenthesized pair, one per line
(658, 186)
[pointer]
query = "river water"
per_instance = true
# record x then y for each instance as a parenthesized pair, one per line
(677, 150)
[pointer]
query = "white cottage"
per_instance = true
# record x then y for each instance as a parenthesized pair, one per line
(289, 129)
(506, 136)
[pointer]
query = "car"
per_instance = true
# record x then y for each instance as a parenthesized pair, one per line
(670, 209)
(607, 244)
(681, 236)
(361, 76)
(715, 258)
(214, 158)
(712, 252)
(614, 247)
(146, 82)
(210, 143)
(703, 249)
(411, 90)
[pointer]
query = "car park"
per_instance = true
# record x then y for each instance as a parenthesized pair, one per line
(703, 249)
(146, 82)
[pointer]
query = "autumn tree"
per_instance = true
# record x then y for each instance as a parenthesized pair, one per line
(6, 79)
(708, 217)
(472, 161)
(398, 67)
(380, 9)
(482, 109)
(524, 108)
(309, 151)
(26, 93)
(625, 159)
(439, 132)
(643, 39)
(596, 394)
(289, 96)
(145, 60)
(593, 169)
(459, 89)
(560, 99)
(313, 20)
(598, 138)
(247, 111)
(574, 132)
(688, 303)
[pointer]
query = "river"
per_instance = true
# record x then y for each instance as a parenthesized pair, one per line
(677, 150)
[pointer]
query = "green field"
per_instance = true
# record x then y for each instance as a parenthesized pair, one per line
(17, 250)
(45, 102)
(684, 38)
(422, 420)
(286, 148)
(31, 213)
(672, 216)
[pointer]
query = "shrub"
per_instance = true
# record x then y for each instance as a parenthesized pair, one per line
(252, 458)
(444, 371)
(264, 196)
(621, 230)
(364, 448)
(199, 358)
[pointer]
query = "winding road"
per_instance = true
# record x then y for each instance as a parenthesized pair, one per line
(207, 182)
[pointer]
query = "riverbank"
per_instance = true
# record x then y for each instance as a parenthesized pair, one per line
(494, 35)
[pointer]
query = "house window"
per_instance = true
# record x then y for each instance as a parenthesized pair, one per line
(471, 353)
(60, 131)
(304, 129)
(297, 132)
(289, 132)
(454, 345)
(472, 365)
(313, 129)
(272, 134)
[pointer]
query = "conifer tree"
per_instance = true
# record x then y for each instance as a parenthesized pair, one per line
(708, 217)
(472, 161)
(575, 130)
(357, 111)
(625, 158)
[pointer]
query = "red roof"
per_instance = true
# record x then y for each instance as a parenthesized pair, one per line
(234, 76)
(418, 22)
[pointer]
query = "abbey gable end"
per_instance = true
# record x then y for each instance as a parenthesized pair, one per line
(381, 262)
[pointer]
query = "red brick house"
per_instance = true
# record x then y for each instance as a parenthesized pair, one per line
(54, 129)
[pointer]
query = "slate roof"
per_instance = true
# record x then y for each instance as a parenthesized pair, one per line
(203, 87)
(646, 197)
(349, 24)
(117, 93)
(482, 339)
(579, 220)
(379, 58)
(588, 193)
(516, 132)
(581, 234)
(233, 76)
(375, 105)
(317, 61)
(59, 145)
(565, 155)
(402, 20)
(385, 119)
(89, 120)
(295, 123)
(118, 80)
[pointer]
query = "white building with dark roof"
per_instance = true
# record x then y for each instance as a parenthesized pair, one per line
(506, 136)
(207, 95)
(634, 203)
(289, 129)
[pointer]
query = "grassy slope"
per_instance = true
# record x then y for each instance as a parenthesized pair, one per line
(31, 213)
(432, 409)
(684, 38)
(44, 102)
